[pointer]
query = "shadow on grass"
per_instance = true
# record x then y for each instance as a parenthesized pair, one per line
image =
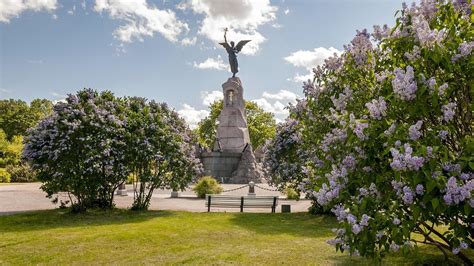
(63, 218)
(298, 224)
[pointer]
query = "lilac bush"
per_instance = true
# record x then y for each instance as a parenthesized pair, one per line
(388, 136)
(80, 149)
(160, 151)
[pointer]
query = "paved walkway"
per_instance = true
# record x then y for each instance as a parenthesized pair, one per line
(28, 197)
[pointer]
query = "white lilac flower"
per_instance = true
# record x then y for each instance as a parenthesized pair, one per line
(448, 111)
(394, 247)
(404, 84)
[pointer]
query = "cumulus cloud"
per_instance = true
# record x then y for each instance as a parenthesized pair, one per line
(241, 17)
(209, 97)
(191, 115)
(309, 60)
(276, 103)
(141, 20)
(13, 8)
(188, 41)
(211, 63)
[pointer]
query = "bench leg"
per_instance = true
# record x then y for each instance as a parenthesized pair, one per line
(209, 203)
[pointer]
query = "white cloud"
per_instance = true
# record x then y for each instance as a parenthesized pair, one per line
(54, 16)
(309, 60)
(276, 103)
(211, 63)
(191, 115)
(13, 8)
(209, 97)
(141, 20)
(287, 11)
(188, 41)
(242, 17)
(281, 95)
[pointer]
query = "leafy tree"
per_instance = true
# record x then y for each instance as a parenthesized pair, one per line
(16, 116)
(160, 152)
(261, 124)
(389, 128)
(80, 149)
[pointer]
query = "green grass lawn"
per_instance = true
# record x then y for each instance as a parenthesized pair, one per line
(166, 237)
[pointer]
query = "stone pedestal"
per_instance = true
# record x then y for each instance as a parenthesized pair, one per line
(232, 160)
(232, 131)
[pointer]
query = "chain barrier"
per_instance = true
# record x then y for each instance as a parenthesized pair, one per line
(267, 189)
(234, 189)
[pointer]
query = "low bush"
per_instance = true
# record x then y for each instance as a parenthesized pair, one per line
(207, 185)
(21, 173)
(291, 193)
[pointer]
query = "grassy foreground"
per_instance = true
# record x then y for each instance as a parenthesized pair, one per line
(165, 237)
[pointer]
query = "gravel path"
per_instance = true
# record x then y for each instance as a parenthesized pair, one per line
(17, 198)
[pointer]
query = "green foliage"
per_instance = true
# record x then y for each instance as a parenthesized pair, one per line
(261, 125)
(80, 149)
(4, 176)
(21, 173)
(207, 185)
(16, 116)
(291, 193)
(160, 151)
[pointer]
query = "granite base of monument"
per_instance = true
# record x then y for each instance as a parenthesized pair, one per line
(232, 159)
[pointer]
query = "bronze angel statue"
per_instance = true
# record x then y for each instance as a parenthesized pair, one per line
(233, 51)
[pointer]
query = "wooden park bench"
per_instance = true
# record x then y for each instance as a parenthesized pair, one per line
(223, 201)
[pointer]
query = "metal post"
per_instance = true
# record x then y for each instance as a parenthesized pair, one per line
(208, 203)
(274, 204)
(242, 204)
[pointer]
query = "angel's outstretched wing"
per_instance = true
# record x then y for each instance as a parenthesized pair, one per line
(241, 44)
(226, 45)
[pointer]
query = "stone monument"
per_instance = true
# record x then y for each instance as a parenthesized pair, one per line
(232, 159)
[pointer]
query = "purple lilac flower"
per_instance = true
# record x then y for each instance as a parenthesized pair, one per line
(466, 176)
(377, 108)
(442, 89)
(404, 84)
(443, 134)
(429, 151)
(349, 162)
(456, 250)
(405, 161)
(364, 221)
(359, 47)
(341, 102)
(390, 130)
(426, 36)
(340, 212)
(396, 221)
(414, 55)
(414, 130)
(448, 111)
(379, 235)
(463, 245)
(356, 229)
(456, 193)
(381, 32)
(351, 219)
(420, 189)
(407, 195)
(464, 50)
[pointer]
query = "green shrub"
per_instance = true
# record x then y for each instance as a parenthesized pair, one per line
(4, 176)
(291, 193)
(207, 185)
(21, 173)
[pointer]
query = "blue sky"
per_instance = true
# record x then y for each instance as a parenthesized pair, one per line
(167, 50)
